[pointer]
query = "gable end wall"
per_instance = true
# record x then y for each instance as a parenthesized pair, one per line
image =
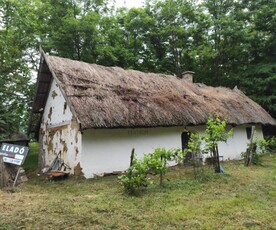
(59, 132)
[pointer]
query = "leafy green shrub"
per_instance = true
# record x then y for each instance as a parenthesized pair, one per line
(135, 176)
(262, 146)
(155, 163)
(257, 159)
(272, 144)
(194, 144)
(215, 133)
(195, 148)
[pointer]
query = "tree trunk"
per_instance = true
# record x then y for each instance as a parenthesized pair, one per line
(161, 174)
(1, 172)
(216, 159)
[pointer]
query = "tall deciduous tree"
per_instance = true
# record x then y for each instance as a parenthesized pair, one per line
(172, 35)
(258, 78)
(225, 42)
(16, 61)
(71, 28)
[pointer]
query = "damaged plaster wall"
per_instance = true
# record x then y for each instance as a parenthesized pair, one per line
(59, 132)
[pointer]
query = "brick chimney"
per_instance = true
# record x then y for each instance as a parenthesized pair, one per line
(188, 76)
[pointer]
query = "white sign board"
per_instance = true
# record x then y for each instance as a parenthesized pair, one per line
(14, 154)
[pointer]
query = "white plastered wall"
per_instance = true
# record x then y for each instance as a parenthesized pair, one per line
(108, 150)
(236, 144)
(59, 130)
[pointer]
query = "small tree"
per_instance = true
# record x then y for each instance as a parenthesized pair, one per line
(215, 133)
(153, 163)
(195, 148)
(157, 161)
(135, 176)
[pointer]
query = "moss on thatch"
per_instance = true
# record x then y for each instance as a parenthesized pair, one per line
(111, 97)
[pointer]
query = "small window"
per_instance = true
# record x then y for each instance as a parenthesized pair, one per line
(248, 132)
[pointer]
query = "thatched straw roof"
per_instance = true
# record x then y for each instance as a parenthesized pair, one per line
(111, 97)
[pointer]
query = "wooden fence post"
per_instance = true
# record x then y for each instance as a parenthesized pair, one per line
(250, 151)
(132, 156)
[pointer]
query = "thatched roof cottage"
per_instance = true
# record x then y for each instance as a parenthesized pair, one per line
(94, 115)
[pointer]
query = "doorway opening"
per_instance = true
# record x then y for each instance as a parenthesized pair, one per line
(185, 136)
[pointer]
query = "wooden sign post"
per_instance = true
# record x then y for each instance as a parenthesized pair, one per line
(2, 182)
(11, 154)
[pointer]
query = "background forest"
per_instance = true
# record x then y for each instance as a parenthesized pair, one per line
(225, 42)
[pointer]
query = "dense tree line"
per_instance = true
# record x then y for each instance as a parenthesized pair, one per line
(224, 42)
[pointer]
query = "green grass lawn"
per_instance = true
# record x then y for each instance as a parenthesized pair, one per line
(31, 161)
(242, 198)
